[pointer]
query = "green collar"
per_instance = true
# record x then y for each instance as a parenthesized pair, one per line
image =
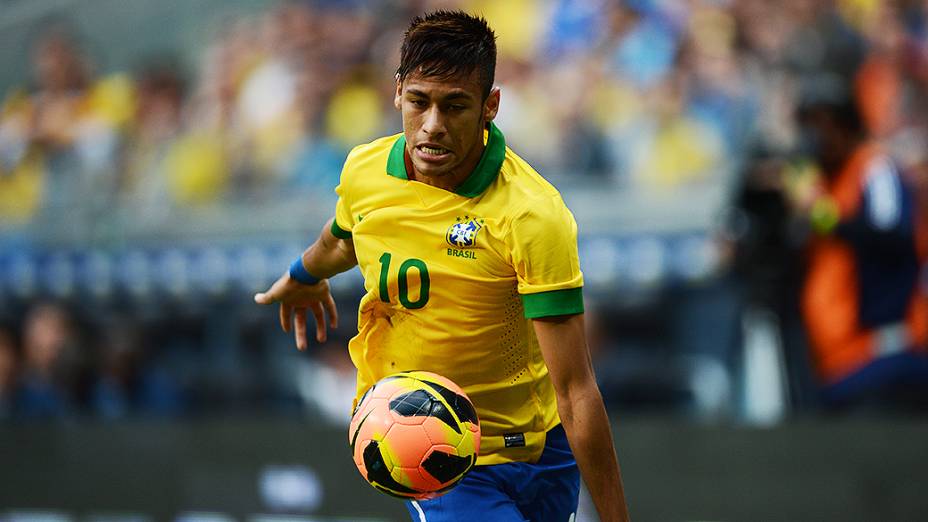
(490, 162)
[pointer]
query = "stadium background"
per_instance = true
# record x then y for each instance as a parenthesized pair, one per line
(187, 151)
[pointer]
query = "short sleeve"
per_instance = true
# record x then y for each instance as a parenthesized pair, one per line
(342, 224)
(544, 255)
(344, 221)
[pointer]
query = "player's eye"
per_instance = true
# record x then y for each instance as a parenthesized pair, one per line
(457, 107)
(419, 103)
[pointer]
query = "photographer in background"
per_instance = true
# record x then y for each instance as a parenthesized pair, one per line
(864, 309)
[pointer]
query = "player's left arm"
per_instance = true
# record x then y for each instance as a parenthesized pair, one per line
(583, 415)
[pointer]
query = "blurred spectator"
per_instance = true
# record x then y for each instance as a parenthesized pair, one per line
(21, 169)
(527, 115)
(60, 139)
(51, 365)
(128, 381)
(865, 309)
(156, 128)
(575, 27)
(518, 24)
(8, 371)
(644, 43)
(672, 147)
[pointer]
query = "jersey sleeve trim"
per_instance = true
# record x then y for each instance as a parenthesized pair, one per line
(339, 232)
(568, 301)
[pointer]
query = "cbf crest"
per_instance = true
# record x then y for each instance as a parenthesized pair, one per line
(463, 234)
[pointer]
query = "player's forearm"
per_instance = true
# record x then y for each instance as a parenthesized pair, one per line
(329, 255)
(580, 406)
(587, 425)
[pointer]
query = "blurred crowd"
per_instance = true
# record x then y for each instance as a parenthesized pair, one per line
(644, 95)
(58, 361)
(636, 96)
(46, 371)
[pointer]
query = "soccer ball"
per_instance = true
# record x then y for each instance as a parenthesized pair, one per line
(414, 435)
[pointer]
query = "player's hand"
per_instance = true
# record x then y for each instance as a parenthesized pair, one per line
(295, 300)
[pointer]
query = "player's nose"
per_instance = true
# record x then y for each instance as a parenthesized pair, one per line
(434, 122)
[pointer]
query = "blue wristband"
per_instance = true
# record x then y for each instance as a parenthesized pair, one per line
(298, 272)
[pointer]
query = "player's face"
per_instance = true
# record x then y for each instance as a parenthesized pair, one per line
(443, 120)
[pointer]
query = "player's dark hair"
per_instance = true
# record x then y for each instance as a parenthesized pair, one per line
(447, 44)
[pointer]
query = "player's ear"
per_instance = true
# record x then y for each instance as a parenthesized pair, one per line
(491, 105)
(397, 96)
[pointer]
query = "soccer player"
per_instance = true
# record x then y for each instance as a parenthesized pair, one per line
(471, 269)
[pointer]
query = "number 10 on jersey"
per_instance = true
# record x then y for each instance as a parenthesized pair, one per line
(403, 281)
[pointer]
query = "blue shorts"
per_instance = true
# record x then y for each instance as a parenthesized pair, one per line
(514, 492)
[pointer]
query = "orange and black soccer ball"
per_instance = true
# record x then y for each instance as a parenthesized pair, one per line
(414, 435)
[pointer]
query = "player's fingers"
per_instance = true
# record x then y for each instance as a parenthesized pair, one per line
(299, 330)
(286, 313)
(320, 322)
(331, 309)
(267, 297)
(272, 294)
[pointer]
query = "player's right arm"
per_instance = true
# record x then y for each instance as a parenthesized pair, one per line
(547, 264)
(328, 256)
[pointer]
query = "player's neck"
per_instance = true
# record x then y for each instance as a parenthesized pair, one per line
(452, 180)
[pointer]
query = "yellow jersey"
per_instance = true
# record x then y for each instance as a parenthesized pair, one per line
(453, 280)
